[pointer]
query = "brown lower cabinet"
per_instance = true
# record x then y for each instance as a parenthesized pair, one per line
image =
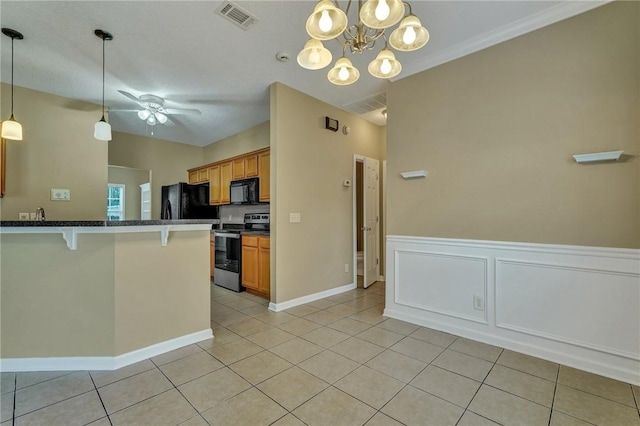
(256, 265)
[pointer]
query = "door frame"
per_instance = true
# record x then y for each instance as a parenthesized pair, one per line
(362, 159)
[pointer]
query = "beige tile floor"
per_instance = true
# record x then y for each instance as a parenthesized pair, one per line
(335, 361)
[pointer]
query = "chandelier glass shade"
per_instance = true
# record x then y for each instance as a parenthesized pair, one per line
(314, 56)
(385, 65)
(329, 22)
(343, 73)
(410, 35)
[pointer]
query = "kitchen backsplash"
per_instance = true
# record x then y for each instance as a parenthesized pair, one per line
(235, 213)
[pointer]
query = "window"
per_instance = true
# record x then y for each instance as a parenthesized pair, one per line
(115, 201)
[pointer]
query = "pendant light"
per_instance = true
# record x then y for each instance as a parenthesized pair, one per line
(11, 129)
(102, 130)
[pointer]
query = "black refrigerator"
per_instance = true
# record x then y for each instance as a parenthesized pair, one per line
(185, 201)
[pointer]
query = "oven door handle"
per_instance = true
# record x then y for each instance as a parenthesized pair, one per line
(221, 234)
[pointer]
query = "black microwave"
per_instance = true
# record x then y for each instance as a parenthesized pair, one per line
(244, 191)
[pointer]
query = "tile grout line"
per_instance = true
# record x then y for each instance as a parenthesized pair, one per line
(100, 398)
(15, 394)
(555, 390)
(51, 404)
(479, 387)
(176, 388)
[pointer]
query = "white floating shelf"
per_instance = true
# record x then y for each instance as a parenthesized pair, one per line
(414, 174)
(598, 156)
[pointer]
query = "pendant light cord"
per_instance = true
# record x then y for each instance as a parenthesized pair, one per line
(12, 77)
(103, 79)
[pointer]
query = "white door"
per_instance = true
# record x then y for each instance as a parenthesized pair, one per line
(371, 221)
(145, 201)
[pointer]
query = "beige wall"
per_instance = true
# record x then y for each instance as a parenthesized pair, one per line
(131, 179)
(497, 130)
(252, 139)
(55, 301)
(115, 294)
(308, 167)
(167, 161)
(160, 292)
(58, 150)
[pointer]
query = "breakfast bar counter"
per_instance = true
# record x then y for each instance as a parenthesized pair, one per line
(101, 294)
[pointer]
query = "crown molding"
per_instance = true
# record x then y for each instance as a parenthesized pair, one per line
(564, 10)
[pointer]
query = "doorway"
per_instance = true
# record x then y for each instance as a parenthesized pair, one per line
(366, 220)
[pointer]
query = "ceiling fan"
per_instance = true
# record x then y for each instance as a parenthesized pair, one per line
(153, 110)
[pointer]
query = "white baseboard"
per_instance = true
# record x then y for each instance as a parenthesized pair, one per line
(381, 278)
(555, 302)
(101, 362)
(277, 307)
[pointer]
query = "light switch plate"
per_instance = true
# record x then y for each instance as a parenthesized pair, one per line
(60, 194)
(294, 217)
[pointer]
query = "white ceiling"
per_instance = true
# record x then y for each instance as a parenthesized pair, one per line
(187, 54)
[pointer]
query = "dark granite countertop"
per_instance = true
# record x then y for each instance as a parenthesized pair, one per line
(260, 233)
(104, 223)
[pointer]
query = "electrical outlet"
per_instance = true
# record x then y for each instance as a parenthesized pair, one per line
(346, 267)
(32, 216)
(60, 194)
(478, 303)
(23, 216)
(294, 218)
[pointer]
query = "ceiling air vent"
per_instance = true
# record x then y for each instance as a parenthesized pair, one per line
(366, 105)
(236, 15)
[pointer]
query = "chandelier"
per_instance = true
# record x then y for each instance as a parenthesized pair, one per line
(329, 22)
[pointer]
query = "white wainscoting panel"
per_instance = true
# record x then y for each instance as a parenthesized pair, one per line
(574, 305)
(441, 283)
(593, 308)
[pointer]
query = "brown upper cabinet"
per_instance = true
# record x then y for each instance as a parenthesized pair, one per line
(214, 185)
(199, 176)
(221, 173)
(225, 180)
(264, 159)
(245, 167)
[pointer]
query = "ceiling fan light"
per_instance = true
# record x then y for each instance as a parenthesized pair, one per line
(380, 14)
(102, 130)
(11, 129)
(327, 21)
(403, 39)
(151, 121)
(385, 65)
(161, 117)
(343, 73)
(144, 114)
(314, 55)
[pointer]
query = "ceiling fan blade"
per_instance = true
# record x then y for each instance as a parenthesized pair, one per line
(133, 98)
(183, 111)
